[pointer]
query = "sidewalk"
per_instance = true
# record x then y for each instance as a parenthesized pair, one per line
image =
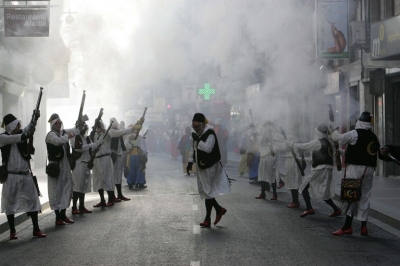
(384, 200)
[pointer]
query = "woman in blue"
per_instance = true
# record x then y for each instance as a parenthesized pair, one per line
(253, 158)
(136, 161)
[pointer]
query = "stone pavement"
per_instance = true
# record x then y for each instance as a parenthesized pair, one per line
(385, 197)
(384, 201)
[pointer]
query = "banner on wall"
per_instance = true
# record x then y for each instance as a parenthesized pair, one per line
(332, 29)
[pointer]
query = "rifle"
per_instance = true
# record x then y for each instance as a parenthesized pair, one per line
(336, 145)
(251, 117)
(93, 155)
(145, 133)
(137, 132)
(93, 132)
(294, 154)
(30, 149)
(80, 122)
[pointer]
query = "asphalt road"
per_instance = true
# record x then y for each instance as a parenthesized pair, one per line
(159, 226)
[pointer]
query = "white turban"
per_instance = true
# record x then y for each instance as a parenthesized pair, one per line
(11, 126)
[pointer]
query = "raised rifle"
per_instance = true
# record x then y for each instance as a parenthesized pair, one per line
(137, 132)
(93, 155)
(145, 133)
(294, 154)
(335, 144)
(30, 149)
(93, 132)
(80, 122)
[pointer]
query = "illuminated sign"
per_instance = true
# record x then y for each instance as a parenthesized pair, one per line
(206, 91)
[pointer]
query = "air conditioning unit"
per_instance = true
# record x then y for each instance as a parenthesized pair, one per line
(357, 33)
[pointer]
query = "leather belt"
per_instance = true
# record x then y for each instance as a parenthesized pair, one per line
(107, 154)
(19, 173)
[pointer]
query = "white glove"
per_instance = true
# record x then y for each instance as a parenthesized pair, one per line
(93, 146)
(100, 142)
(76, 131)
(289, 143)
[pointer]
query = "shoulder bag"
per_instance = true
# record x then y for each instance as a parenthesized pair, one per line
(350, 189)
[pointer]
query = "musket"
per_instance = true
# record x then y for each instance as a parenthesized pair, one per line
(30, 149)
(145, 133)
(294, 154)
(93, 132)
(251, 116)
(80, 122)
(93, 155)
(137, 132)
(335, 144)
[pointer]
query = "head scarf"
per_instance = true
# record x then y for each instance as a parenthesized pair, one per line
(115, 124)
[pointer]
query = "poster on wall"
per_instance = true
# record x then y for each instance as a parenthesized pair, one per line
(332, 29)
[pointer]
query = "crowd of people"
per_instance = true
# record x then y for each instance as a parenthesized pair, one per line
(259, 157)
(75, 162)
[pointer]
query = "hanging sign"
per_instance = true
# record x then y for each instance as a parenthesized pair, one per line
(332, 24)
(26, 23)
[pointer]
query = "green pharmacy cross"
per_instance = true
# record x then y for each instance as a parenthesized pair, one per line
(206, 91)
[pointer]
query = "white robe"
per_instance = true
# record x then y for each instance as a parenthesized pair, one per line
(81, 175)
(19, 193)
(119, 163)
(103, 169)
(360, 209)
(293, 177)
(212, 181)
(60, 188)
(268, 168)
(320, 177)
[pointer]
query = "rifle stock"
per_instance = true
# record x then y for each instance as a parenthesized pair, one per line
(294, 154)
(93, 132)
(137, 132)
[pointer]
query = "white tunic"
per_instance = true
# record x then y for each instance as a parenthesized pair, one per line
(103, 169)
(60, 188)
(320, 177)
(19, 193)
(119, 164)
(359, 210)
(268, 168)
(212, 181)
(81, 175)
(293, 177)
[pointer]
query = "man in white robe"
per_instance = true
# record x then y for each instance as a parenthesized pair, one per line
(19, 193)
(268, 165)
(319, 183)
(361, 155)
(293, 178)
(103, 170)
(118, 149)
(81, 176)
(60, 187)
(211, 181)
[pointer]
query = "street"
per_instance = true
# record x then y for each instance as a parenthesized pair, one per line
(160, 226)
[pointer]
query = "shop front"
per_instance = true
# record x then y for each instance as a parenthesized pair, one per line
(385, 85)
